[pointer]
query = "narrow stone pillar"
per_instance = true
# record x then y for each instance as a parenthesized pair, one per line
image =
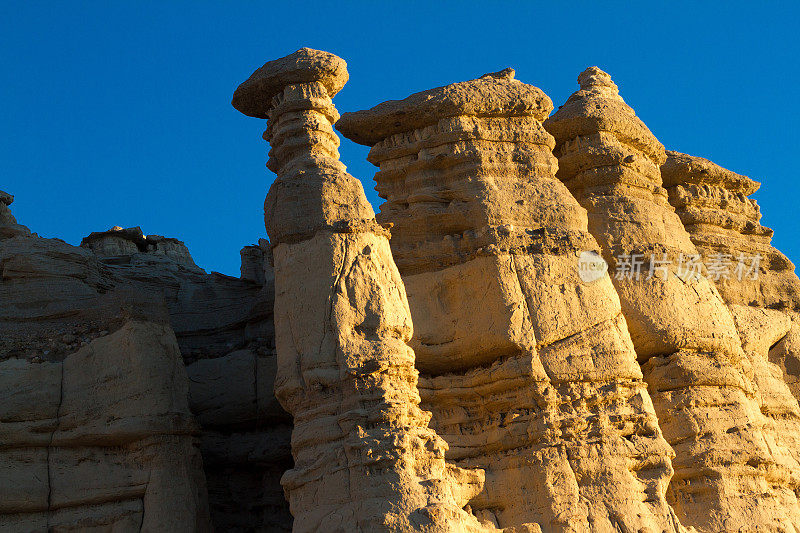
(728, 469)
(365, 458)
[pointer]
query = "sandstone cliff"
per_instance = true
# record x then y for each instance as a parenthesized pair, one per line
(122, 360)
(529, 371)
(732, 468)
(552, 325)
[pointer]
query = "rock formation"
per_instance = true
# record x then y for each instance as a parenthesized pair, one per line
(731, 469)
(529, 370)
(124, 242)
(101, 334)
(95, 427)
(8, 224)
(756, 281)
(603, 337)
(365, 459)
(723, 223)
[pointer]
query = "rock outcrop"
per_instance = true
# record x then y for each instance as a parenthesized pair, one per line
(756, 281)
(552, 325)
(528, 369)
(124, 242)
(95, 428)
(65, 306)
(724, 224)
(731, 469)
(8, 224)
(365, 459)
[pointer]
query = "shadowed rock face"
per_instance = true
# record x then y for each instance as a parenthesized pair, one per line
(529, 370)
(8, 224)
(365, 458)
(93, 348)
(731, 467)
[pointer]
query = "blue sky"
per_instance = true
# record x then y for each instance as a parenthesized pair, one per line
(119, 113)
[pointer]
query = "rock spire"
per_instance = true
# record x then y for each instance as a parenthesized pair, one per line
(528, 369)
(701, 379)
(365, 458)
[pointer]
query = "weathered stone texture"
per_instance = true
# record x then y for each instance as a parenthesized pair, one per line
(530, 372)
(365, 458)
(552, 325)
(731, 467)
(724, 224)
(59, 300)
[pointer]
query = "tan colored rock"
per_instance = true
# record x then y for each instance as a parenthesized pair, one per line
(529, 370)
(365, 458)
(101, 439)
(125, 242)
(731, 468)
(724, 224)
(58, 297)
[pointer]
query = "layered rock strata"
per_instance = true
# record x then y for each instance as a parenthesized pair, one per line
(528, 369)
(757, 282)
(365, 459)
(139, 315)
(125, 242)
(731, 469)
(724, 224)
(95, 428)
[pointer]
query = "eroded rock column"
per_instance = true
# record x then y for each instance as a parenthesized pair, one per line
(727, 469)
(760, 287)
(365, 458)
(529, 370)
(724, 224)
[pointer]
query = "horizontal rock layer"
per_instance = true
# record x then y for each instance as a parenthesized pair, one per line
(529, 371)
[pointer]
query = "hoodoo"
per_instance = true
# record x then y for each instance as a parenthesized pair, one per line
(365, 458)
(729, 466)
(528, 369)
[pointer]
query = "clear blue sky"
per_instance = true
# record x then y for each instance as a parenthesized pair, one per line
(119, 113)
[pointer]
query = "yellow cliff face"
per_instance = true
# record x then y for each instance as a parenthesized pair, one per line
(553, 324)
(732, 467)
(528, 369)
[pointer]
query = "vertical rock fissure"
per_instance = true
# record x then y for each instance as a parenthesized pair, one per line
(50, 444)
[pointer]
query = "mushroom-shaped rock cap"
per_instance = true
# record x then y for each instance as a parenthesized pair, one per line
(598, 107)
(253, 97)
(5, 198)
(495, 94)
(680, 169)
